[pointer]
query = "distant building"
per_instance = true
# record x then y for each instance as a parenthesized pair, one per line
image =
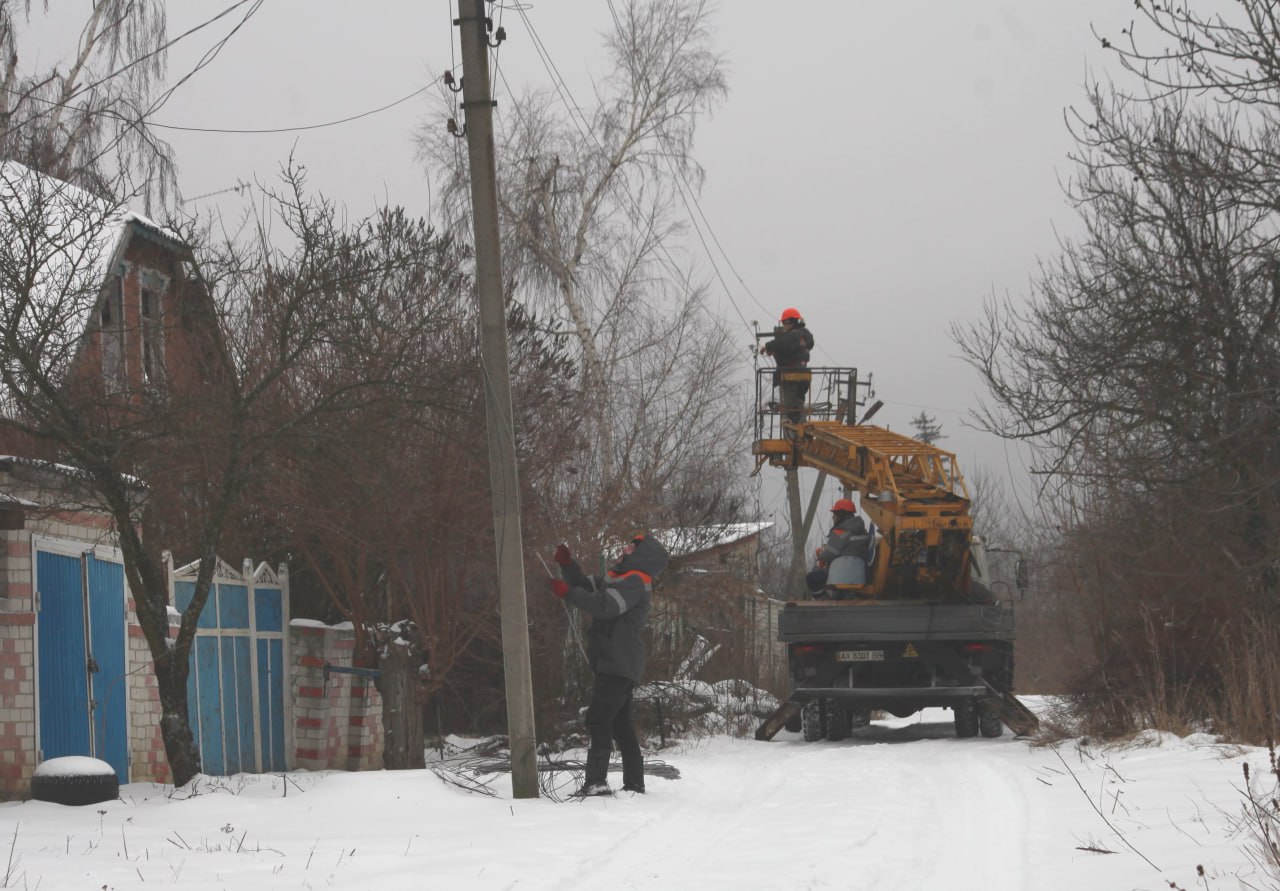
(711, 592)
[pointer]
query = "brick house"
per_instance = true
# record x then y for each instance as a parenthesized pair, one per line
(710, 592)
(111, 300)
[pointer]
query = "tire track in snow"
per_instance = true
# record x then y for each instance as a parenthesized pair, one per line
(877, 812)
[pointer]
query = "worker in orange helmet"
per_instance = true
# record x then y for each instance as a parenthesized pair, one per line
(848, 538)
(790, 348)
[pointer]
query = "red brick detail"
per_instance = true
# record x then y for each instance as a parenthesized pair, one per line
(18, 548)
(308, 753)
(358, 720)
(315, 723)
(82, 518)
(311, 692)
(17, 618)
(311, 661)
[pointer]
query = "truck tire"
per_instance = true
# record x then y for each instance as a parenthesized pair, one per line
(859, 717)
(837, 720)
(966, 716)
(792, 724)
(813, 720)
(989, 723)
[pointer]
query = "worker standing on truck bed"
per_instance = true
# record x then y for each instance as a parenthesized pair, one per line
(790, 348)
(619, 608)
(848, 538)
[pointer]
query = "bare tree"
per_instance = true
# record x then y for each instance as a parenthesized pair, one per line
(81, 122)
(385, 504)
(267, 374)
(1146, 364)
(588, 199)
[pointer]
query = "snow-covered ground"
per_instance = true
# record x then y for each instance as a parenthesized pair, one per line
(903, 804)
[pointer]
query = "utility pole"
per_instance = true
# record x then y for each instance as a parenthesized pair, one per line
(503, 480)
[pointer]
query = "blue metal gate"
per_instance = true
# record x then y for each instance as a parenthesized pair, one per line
(235, 690)
(82, 706)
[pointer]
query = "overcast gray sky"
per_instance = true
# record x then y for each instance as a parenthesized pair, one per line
(883, 167)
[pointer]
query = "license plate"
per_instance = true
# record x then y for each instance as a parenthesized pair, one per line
(860, 656)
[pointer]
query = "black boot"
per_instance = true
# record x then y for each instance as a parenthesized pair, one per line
(633, 772)
(595, 780)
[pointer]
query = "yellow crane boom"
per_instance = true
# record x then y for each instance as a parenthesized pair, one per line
(912, 491)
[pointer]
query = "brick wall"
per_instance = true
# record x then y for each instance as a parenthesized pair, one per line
(17, 654)
(337, 724)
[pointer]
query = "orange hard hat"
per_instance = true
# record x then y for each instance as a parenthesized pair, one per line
(844, 504)
(791, 313)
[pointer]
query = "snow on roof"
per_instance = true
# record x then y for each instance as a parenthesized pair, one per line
(14, 500)
(687, 540)
(58, 244)
(69, 471)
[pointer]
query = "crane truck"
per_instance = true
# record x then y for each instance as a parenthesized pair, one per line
(912, 624)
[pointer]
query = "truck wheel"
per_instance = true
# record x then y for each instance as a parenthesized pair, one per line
(989, 724)
(792, 724)
(859, 717)
(837, 721)
(813, 720)
(966, 720)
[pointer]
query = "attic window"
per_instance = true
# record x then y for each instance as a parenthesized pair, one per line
(152, 334)
(111, 328)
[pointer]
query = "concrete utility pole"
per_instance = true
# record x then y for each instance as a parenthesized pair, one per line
(504, 482)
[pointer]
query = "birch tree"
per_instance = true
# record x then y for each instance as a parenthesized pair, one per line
(589, 198)
(84, 120)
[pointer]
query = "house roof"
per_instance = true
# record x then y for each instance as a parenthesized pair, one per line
(58, 246)
(689, 540)
(10, 463)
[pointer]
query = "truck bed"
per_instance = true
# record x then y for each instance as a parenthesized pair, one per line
(869, 620)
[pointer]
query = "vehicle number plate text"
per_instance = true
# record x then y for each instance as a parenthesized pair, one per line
(860, 656)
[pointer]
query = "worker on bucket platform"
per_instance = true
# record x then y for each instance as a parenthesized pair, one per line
(848, 538)
(790, 348)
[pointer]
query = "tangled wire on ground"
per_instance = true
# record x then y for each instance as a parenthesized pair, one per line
(558, 778)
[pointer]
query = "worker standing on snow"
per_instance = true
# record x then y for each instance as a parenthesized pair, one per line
(848, 538)
(619, 607)
(790, 348)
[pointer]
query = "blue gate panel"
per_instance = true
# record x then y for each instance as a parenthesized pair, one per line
(268, 614)
(233, 606)
(244, 701)
(64, 687)
(271, 702)
(107, 646)
(230, 715)
(233, 653)
(209, 704)
(182, 594)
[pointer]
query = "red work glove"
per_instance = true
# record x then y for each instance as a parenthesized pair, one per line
(562, 555)
(559, 587)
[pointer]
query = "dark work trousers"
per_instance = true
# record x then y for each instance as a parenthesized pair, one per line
(609, 721)
(792, 393)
